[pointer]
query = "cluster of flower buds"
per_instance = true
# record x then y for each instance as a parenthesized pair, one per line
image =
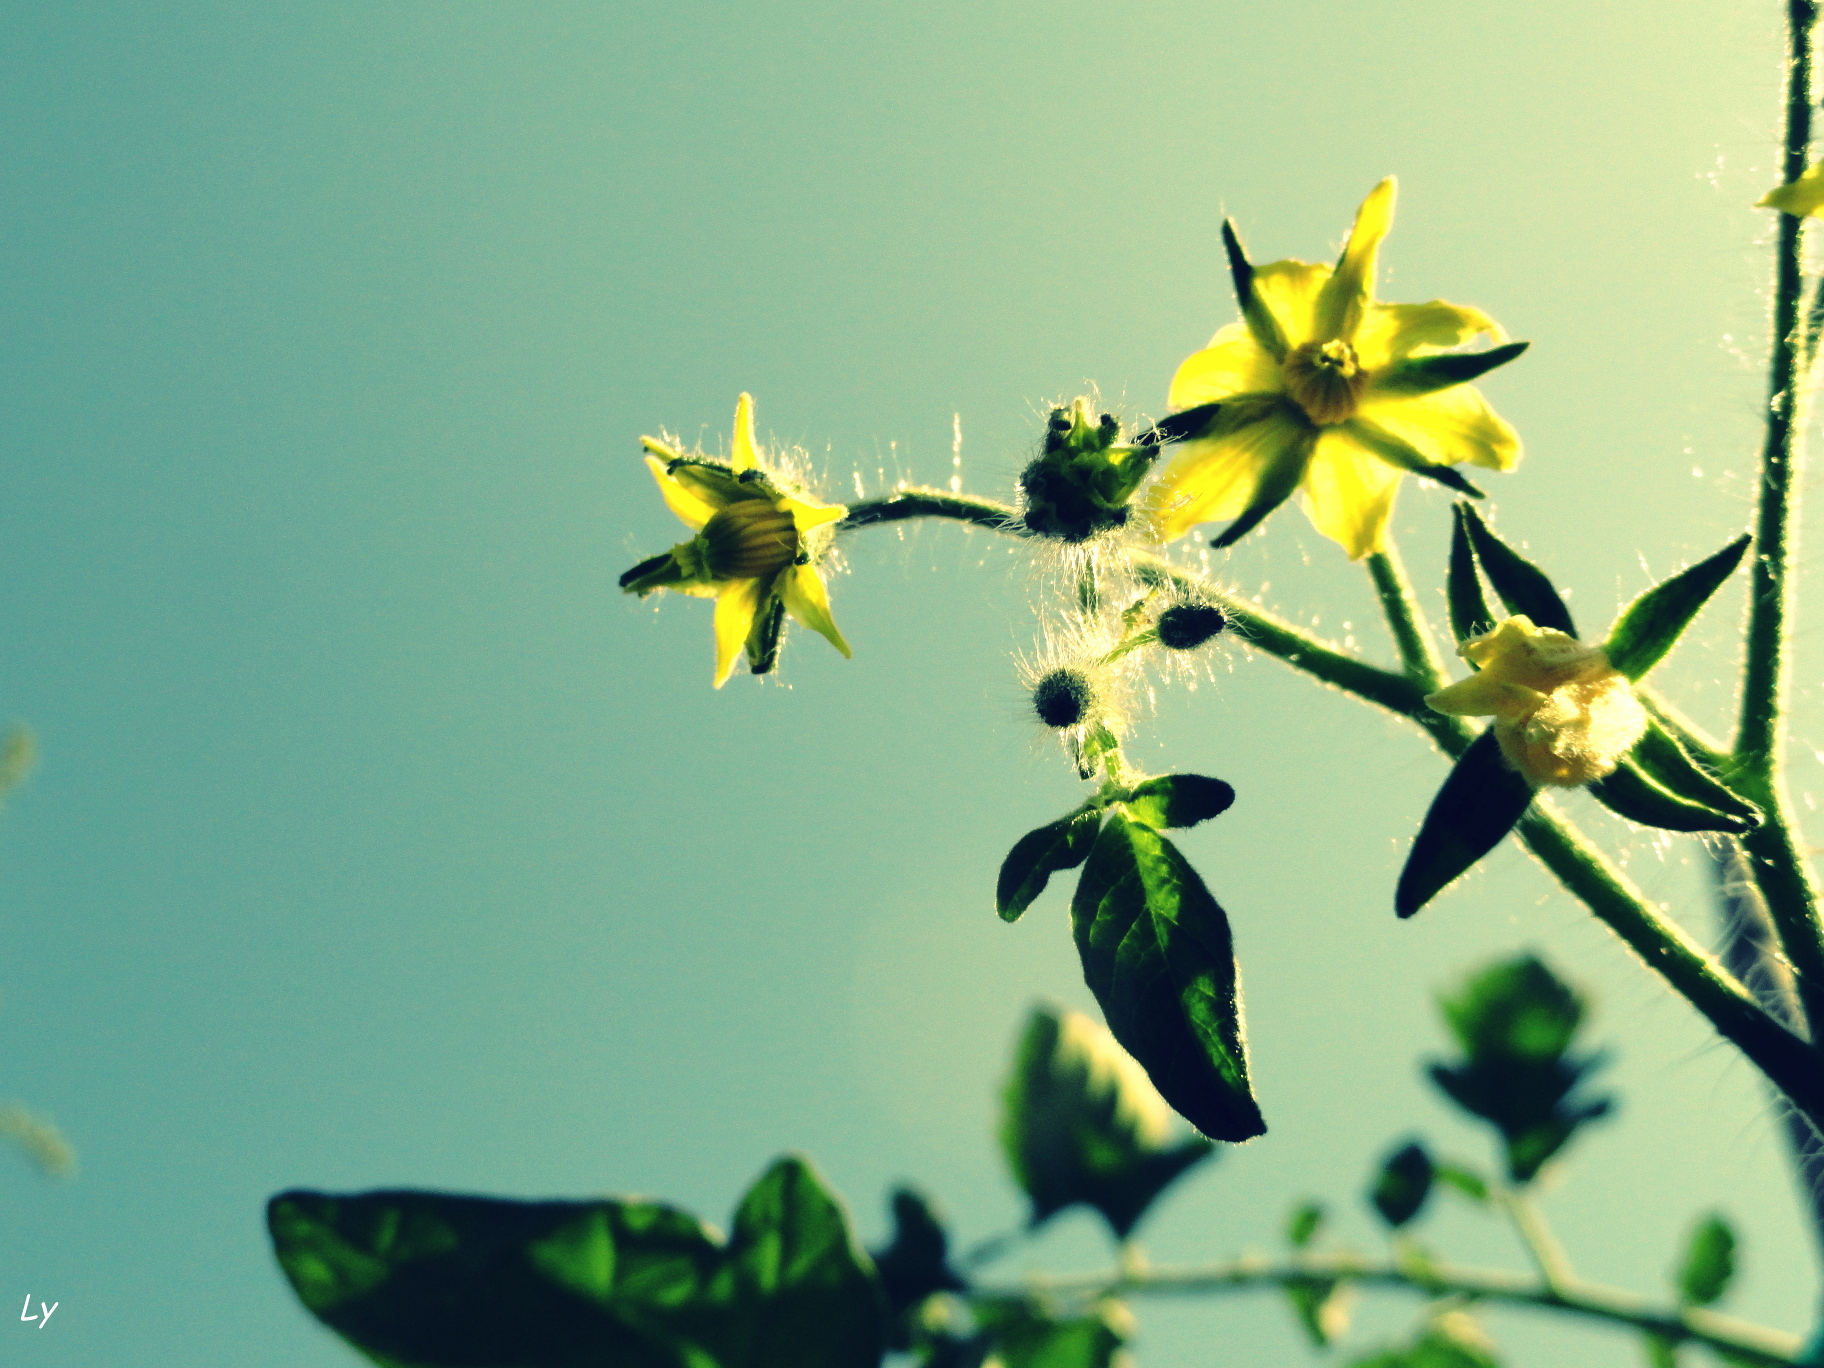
(1079, 486)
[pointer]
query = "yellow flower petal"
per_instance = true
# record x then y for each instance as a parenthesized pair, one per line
(691, 510)
(736, 604)
(1447, 426)
(1290, 290)
(1215, 478)
(1349, 493)
(809, 604)
(805, 515)
(744, 453)
(1802, 196)
(1483, 695)
(1393, 332)
(1347, 294)
(1233, 364)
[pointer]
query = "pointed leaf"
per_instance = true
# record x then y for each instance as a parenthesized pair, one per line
(1708, 1265)
(1479, 803)
(1523, 586)
(1302, 1225)
(1650, 625)
(1664, 761)
(917, 1262)
(1631, 793)
(1465, 1181)
(1157, 954)
(1179, 800)
(1036, 856)
(1426, 374)
(1469, 615)
(1403, 1184)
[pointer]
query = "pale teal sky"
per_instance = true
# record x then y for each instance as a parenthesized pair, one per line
(379, 841)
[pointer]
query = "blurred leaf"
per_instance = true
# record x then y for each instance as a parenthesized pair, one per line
(1036, 856)
(18, 754)
(42, 1142)
(425, 1279)
(1631, 793)
(1515, 1021)
(1464, 1180)
(1302, 1225)
(1403, 1184)
(1157, 954)
(1179, 800)
(1469, 615)
(1709, 1262)
(1024, 1335)
(1322, 1308)
(916, 1263)
(1479, 803)
(1664, 761)
(1660, 1351)
(1523, 586)
(1452, 1340)
(1649, 626)
(1082, 1124)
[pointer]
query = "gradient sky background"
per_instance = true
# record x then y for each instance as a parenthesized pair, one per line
(378, 840)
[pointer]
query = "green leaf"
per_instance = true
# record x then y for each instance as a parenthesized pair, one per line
(1179, 800)
(1480, 802)
(1403, 1184)
(1632, 793)
(1322, 1308)
(431, 1280)
(1469, 615)
(1650, 625)
(1426, 374)
(1523, 586)
(1660, 1351)
(1036, 856)
(1082, 1124)
(916, 1264)
(1663, 760)
(1026, 1335)
(1466, 1181)
(1157, 954)
(1452, 1340)
(1302, 1225)
(1708, 1265)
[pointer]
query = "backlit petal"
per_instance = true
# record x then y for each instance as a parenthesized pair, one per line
(805, 516)
(1392, 332)
(809, 604)
(1290, 289)
(1447, 425)
(1233, 364)
(736, 605)
(1347, 294)
(1349, 493)
(691, 510)
(1214, 478)
(1802, 196)
(744, 452)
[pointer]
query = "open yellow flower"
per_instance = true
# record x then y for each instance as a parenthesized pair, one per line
(1320, 387)
(755, 550)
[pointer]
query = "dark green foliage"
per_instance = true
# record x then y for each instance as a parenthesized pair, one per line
(1523, 586)
(1515, 1022)
(1663, 760)
(916, 1263)
(1157, 954)
(1480, 802)
(1179, 800)
(1036, 856)
(1469, 615)
(1650, 626)
(1403, 1184)
(1708, 1265)
(1079, 1126)
(430, 1280)
(1450, 1341)
(1023, 1334)
(1632, 793)
(1425, 374)
(1322, 1308)
(1302, 1225)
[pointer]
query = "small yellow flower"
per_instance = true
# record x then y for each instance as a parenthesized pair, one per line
(1563, 715)
(1801, 197)
(1321, 388)
(755, 551)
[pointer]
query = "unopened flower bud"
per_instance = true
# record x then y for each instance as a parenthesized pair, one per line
(1064, 697)
(1081, 482)
(1186, 626)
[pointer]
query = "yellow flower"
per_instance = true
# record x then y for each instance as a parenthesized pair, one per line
(1563, 715)
(755, 551)
(1321, 388)
(1801, 197)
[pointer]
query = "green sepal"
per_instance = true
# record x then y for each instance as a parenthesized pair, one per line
(1632, 793)
(1665, 761)
(431, 1280)
(1277, 483)
(1036, 856)
(1523, 586)
(1481, 800)
(1322, 1308)
(1157, 954)
(763, 636)
(1186, 425)
(1708, 1263)
(1403, 1184)
(1650, 625)
(655, 572)
(1094, 750)
(1302, 1225)
(1260, 318)
(1426, 374)
(1179, 800)
(1469, 614)
(1396, 452)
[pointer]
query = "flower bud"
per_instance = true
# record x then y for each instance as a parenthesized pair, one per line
(1064, 697)
(1186, 626)
(1081, 482)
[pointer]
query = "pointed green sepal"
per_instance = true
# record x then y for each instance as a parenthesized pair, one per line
(1277, 484)
(1036, 856)
(1650, 625)
(1663, 760)
(1183, 426)
(1179, 800)
(1523, 586)
(1398, 453)
(655, 572)
(1632, 793)
(1425, 374)
(1260, 319)
(1480, 802)
(1469, 615)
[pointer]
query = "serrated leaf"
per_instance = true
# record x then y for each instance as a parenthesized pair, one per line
(1632, 793)
(1708, 1264)
(1653, 623)
(1081, 1124)
(1402, 1185)
(1427, 374)
(1036, 856)
(1322, 1308)
(433, 1280)
(1179, 800)
(1523, 586)
(1662, 759)
(1302, 1225)
(1157, 954)
(1481, 800)
(1469, 614)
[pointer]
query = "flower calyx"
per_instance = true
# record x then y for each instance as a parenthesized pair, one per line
(1080, 484)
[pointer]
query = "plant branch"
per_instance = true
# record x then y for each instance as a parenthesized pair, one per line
(1418, 652)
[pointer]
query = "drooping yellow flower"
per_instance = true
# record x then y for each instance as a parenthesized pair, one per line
(1563, 714)
(755, 550)
(1800, 197)
(1321, 388)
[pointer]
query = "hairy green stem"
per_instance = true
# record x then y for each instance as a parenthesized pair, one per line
(1418, 652)
(1755, 1343)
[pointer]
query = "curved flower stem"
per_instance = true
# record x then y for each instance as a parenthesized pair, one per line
(1542, 1246)
(1754, 1343)
(1410, 632)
